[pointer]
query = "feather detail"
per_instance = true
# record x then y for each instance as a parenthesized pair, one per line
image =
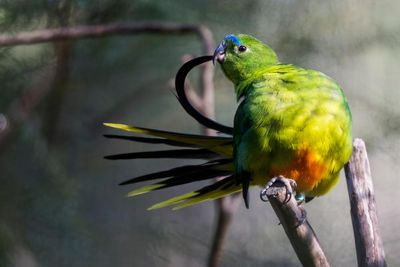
(183, 100)
(218, 144)
(220, 165)
(175, 153)
(147, 140)
(219, 189)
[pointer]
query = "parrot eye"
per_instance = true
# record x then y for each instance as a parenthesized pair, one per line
(242, 48)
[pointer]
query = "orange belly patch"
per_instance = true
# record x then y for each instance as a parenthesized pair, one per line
(304, 168)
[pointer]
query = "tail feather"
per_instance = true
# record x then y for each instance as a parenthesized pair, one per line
(208, 146)
(217, 190)
(245, 191)
(222, 165)
(147, 140)
(218, 149)
(179, 180)
(173, 153)
(217, 144)
(195, 177)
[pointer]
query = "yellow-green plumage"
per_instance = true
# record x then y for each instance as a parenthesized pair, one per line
(290, 121)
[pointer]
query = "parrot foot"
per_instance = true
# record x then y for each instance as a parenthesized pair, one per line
(289, 184)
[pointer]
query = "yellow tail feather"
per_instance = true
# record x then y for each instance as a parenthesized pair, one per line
(193, 198)
(220, 145)
(172, 201)
(144, 189)
(210, 196)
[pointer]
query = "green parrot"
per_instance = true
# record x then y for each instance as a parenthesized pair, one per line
(290, 122)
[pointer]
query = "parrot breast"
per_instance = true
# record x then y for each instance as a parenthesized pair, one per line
(304, 168)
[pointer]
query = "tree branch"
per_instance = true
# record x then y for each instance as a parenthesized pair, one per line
(363, 208)
(31, 98)
(96, 31)
(299, 232)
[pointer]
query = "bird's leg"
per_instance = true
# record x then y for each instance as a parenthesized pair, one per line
(300, 198)
(289, 184)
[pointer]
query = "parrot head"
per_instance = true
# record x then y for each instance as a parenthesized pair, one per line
(242, 55)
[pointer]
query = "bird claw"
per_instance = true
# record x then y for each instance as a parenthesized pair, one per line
(290, 186)
(263, 195)
(288, 183)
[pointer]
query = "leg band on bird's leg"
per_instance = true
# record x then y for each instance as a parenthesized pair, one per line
(300, 198)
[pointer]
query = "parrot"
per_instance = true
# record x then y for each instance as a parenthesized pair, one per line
(290, 122)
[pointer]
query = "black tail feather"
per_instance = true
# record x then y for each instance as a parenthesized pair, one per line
(223, 183)
(178, 171)
(173, 153)
(193, 177)
(148, 140)
(180, 90)
(245, 191)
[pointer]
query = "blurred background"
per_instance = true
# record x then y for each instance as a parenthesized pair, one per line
(59, 200)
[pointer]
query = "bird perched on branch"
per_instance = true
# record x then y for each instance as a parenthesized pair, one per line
(290, 122)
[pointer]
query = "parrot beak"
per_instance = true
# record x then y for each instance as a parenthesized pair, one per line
(219, 53)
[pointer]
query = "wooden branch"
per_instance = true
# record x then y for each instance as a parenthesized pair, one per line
(300, 233)
(363, 209)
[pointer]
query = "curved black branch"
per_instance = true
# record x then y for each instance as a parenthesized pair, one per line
(180, 90)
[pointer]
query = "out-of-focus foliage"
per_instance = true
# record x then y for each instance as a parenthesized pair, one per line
(59, 200)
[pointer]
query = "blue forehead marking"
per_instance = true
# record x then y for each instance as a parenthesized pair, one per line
(232, 38)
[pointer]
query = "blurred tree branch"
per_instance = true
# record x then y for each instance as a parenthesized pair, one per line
(59, 84)
(99, 31)
(226, 208)
(23, 106)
